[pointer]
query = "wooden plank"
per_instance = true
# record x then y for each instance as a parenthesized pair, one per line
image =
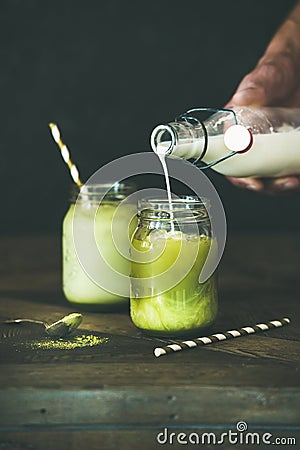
(148, 406)
(213, 370)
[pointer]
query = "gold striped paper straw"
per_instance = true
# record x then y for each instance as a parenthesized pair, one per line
(204, 340)
(65, 154)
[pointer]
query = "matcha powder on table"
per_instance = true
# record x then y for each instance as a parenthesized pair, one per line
(82, 341)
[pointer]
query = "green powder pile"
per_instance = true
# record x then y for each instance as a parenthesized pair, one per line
(82, 341)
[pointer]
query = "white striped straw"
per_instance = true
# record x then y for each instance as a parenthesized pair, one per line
(65, 154)
(185, 345)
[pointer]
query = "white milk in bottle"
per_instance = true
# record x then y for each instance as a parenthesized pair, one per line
(238, 142)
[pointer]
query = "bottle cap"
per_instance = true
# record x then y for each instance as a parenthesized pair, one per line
(238, 138)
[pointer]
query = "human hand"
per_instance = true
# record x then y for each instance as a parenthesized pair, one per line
(275, 81)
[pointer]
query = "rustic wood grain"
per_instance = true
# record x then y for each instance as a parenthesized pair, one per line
(118, 395)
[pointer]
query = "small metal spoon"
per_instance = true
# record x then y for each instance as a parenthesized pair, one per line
(58, 329)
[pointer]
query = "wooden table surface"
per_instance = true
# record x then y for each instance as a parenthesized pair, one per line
(118, 395)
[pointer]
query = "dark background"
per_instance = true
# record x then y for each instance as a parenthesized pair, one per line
(107, 72)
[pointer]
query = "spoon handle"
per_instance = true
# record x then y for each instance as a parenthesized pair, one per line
(40, 322)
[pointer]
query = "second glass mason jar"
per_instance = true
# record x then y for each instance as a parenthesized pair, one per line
(169, 249)
(87, 230)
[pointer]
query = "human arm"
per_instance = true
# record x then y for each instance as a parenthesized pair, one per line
(275, 81)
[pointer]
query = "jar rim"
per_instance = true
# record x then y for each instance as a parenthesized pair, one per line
(179, 203)
(97, 191)
(183, 208)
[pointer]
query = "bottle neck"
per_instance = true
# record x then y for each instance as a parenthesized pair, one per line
(182, 139)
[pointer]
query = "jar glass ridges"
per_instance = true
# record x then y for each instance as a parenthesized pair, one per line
(87, 230)
(169, 249)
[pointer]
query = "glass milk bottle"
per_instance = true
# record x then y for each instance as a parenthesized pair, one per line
(169, 248)
(239, 142)
(87, 231)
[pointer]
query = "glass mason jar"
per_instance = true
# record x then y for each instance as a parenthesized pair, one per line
(91, 258)
(169, 249)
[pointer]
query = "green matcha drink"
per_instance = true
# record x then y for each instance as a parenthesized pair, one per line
(169, 249)
(87, 231)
